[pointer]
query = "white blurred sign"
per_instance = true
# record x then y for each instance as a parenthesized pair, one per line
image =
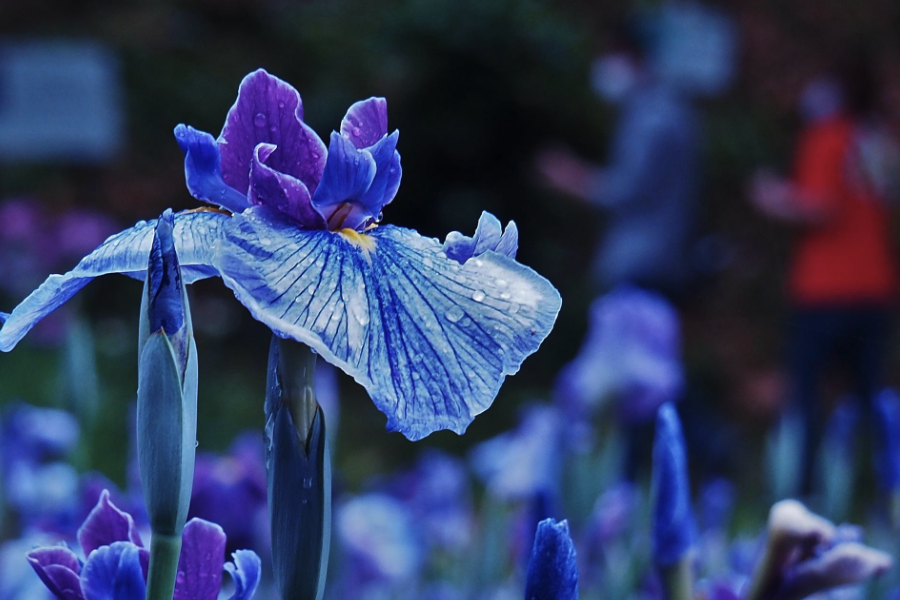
(60, 101)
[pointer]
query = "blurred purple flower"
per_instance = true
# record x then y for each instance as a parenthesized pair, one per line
(612, 516)
(518, 464)
(379, 537)
(632, 355)
(438, 497)
(117, 561)
(230, 490)
(38, 485)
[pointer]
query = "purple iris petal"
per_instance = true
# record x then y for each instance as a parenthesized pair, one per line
(58, 568)
(246, 571)
(282, 192)
(203, 171)
(201, 561)
(107, 524)
(365, 122)
(114, 572)
(347, 177)
(269, 111)
(489, 235)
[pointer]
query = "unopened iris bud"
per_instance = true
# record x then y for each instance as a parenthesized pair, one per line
(552, 570)
(674, 529)
(298, 473)
(167, 407)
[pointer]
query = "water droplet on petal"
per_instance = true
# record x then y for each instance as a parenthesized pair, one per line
(501, 283)
(307, 482)
(259, 120)
(478, 296)
(356, 131)
(281, 105)
(454, 314)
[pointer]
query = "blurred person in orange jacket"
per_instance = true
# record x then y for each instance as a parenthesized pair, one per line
(843, 278)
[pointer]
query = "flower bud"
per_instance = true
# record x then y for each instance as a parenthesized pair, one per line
(552, 570)
(167, 388)
(298, 473)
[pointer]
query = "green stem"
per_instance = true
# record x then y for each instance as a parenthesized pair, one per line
(678, 579)
(164, 553)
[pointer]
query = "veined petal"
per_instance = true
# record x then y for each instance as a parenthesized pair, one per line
(105, 525)
(430, 339)
(114, 572)
(365, 122)
(203, 172)
(201, 561)
(347, 177)
(269, 111)
(126, 252)
(246, 571)
(282, 192)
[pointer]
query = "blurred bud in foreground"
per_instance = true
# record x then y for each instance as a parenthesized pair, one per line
(298, 473)
(167, 407)
(552, 571)
(806, 554)
(674, 529)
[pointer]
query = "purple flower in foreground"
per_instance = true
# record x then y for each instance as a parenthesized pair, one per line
(116, 561)
(429, 335)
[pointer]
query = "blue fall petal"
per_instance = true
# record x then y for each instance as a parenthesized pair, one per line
(674, 529)
(203, 170)
(126, 252)
(430, 339)
(114, 573)
(246, 571)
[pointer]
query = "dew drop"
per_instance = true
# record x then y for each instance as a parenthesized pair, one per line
(356, 131)
(281, 105)
(311, 289)
(307, 482)
(454, 314)
(478, 296)
(513, 308)
(477, 262)
(504, 296)
(259, 120)
(273, 128)
(501, 283)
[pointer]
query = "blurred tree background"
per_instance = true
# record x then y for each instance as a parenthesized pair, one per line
(475, 87)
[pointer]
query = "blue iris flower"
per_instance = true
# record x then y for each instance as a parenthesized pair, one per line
(429, 329)
(116, 561)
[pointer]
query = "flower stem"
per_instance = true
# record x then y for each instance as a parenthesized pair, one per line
(678, 580)
(164, 553)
